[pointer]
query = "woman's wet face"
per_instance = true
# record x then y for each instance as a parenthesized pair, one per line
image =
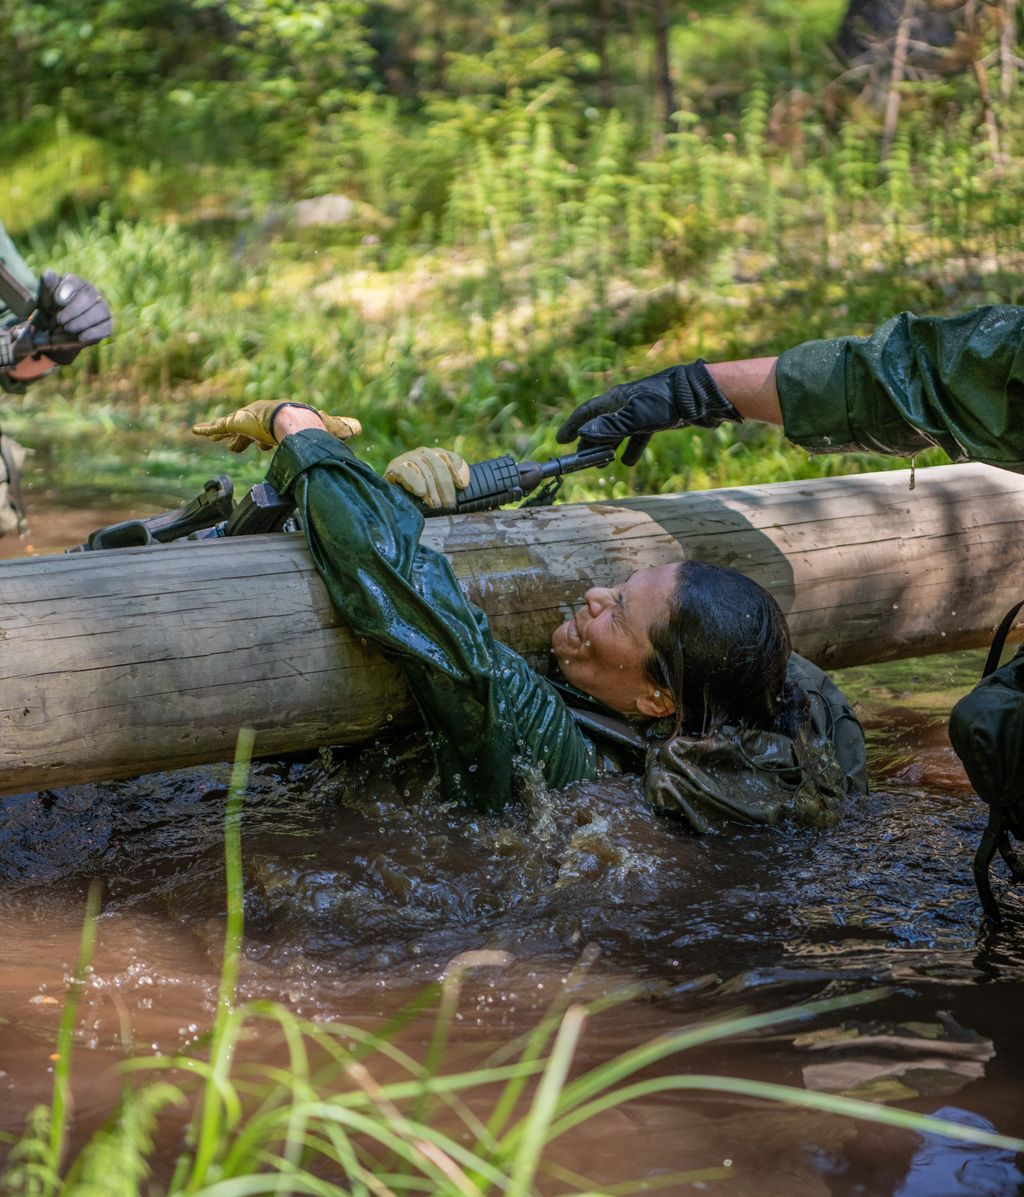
(601, 648)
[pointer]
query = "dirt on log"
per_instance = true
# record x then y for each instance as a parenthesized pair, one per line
(133, 660)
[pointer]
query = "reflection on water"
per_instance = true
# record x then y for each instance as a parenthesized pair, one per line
(54, 527)
(361, 884)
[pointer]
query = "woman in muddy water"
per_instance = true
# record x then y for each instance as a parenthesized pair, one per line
(685, 670)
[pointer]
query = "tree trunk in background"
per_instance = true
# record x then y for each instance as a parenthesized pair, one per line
(988, 114)
(635, 40)
(1008, 60)
(665, 104)
(16, 63)
(602, 30)
(899, 62)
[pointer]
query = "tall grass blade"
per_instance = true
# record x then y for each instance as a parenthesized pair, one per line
(225, 1028)
(537, 1124)
(61, 1102)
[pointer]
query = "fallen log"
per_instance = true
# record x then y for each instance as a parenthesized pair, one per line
(133, 660)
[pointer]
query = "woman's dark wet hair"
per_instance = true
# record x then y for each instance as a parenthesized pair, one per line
(722, 655)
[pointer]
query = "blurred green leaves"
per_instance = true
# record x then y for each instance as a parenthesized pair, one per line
(518, 238)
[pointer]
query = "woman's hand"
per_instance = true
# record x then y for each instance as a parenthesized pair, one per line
(431, 475)
(259, 424)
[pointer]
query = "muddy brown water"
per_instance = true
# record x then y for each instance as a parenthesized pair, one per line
(361, 885)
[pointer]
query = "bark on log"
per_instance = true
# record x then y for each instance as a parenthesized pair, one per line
(124, 662)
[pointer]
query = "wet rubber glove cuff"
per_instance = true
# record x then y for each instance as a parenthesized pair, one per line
(698, 398)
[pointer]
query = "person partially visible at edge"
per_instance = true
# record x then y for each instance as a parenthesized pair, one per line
(64, 315)
(690, 664)
(915, 382)
(44, 323)
(956, 382)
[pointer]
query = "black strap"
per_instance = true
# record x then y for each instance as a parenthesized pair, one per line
(999, 639)
(994, 832)
(611, 728)
(602, 724)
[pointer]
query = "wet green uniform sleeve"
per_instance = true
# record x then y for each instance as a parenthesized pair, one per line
(915, 382)
(15, 265)
(483, 705)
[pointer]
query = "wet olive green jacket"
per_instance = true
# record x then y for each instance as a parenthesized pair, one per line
(915, 382)
(482, 704)
(14, 262)
(766, 778)
(484, 707)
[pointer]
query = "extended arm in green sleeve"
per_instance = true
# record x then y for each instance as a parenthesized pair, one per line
(956, 382)
(364, 537)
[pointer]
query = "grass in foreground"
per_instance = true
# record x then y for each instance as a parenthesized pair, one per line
(346, 1113)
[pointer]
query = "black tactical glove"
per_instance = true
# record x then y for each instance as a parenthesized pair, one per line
(673, 398)
(71, 314)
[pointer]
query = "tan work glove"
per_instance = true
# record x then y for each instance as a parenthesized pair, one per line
(252, 425)
(432, 475)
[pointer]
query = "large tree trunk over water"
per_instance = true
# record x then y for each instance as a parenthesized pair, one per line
(132, 660)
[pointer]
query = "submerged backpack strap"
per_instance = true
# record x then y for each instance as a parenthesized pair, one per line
(616, 731)
(612, 732)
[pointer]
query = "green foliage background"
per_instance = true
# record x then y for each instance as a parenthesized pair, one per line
(524, 228)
